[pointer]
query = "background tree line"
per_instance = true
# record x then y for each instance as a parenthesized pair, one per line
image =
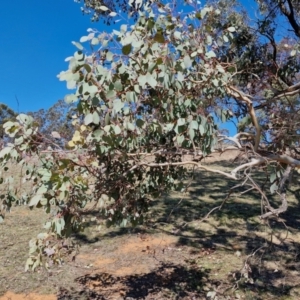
(57, 118)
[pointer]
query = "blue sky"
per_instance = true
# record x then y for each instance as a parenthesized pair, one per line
(35, 39)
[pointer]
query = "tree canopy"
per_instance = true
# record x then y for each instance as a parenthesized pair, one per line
(106, 10)
(151, 93)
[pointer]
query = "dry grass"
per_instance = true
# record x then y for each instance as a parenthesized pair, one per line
(174, 256)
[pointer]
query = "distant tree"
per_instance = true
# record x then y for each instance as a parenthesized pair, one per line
(56, 119)
(147, 95)
(6, 114)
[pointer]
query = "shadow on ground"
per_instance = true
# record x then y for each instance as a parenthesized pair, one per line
(231, 252)
(169, 281)
(179, 253)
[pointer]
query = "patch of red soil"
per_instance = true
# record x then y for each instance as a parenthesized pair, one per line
(146, 243)
(31, 296)
(135, 255)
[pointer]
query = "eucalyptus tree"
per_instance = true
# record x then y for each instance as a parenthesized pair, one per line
(147, 95)
(55, 123)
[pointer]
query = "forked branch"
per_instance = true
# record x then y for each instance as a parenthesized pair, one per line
(240, 96)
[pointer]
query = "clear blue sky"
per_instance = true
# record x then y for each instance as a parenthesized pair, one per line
(35, 39)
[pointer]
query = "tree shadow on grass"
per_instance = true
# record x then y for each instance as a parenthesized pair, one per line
(264, 283)
(206, 192)
(168, 281)
(91, 237)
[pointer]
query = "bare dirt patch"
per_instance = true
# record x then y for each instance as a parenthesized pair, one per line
(31, 296)
(136, 254)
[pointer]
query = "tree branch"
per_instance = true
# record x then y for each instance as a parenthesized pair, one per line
(236, 138)
(290, 16)
(240, 96)
(253, 162)
(282, 158)
(278, 210)
(282, 188)
(290, 91)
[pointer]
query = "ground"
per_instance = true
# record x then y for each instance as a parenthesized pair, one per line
(178, 254)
